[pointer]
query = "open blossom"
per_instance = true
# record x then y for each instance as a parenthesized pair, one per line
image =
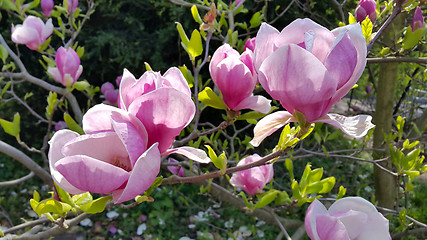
(366, 8)
(164, 105)
(33, 32)
(236, 78)
(252, 180)
(47, 6)
(113, 156)
(350, 218)
(68, 68)
(308, 69)
(417, 20)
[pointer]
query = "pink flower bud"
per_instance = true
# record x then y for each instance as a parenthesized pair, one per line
(118, 80)
(72, 5)
(68, 68)
(47, 6)
(368, 89)
(107, 87)
(176, 170)
(366, 8)
(252, 180)
(236, 78)
(418, 20)
(111, 97)
(60, 125)
(33, 32)
(238, 2)
(250, 44)
(349, 218)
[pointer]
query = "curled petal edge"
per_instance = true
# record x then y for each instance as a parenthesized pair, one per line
(269, 124)
(355, 126)
(190, 152)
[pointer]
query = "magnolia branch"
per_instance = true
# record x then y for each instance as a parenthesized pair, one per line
(17, 181)
(175, 179)
(26, 161)
(397, 59)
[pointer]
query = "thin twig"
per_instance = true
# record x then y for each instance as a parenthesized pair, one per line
(282, 228)
(17, 181)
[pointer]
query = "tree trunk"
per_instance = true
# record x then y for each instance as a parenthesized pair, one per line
(385, 183)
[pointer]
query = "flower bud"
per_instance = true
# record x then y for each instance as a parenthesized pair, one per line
(33, 32)
(417, 20)
(366, 8)
(68, 68)
(250, 44)
(368, 89)
(47, 6)
(252, 180)
(72, 5)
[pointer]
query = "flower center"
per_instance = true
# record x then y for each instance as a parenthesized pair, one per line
(121, 164)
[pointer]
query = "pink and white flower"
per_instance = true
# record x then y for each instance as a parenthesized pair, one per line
(33, 32)
(68, 68)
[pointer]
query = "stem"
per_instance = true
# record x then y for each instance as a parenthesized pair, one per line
(175, 179)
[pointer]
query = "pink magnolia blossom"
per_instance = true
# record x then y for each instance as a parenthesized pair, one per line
(236, 78)
(47, 6)
(366, 8)
(417, 20)
(250, 44)
(33, 32)
(350, 218)
(113, 156)
(164, 105)
(72, 5)
(252, 180)
(111, 95)
(308, 69)
(176, 170)
(68, 68)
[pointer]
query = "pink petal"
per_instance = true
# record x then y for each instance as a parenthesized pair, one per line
(295, 33)
(47, 29)
(315, 209)
(89, 174)
(164, 113)
(194, 154)
(28, 36)
(353, 203)
(298, 80)
(219, 55)
(175, 78)
(355, 34)
(127, 82)
(330, 228)
(105, 146)
(142, 176)
(54, 72)
(264, 43)
(377, 227)
(269, 124)
(59, 139)
(356, 126)
(134, 143)
(256, 103)
(34, 23)
(354, 222)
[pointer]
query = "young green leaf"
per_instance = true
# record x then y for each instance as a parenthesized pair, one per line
(209, 97)
(196, 15)
(195, 47)
(72, 125)
(12, 128)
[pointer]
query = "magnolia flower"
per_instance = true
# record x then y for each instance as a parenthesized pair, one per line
(366, 8)
(72, 5)
(252, 180)
(110, 94)
(236, 78)
(33, 32)
(68, 68)
(164, 105)
(308, 69)
(47, 6)
(417, 20)
(250, 44)
(176, 170)
(350, 218)
(113, 156)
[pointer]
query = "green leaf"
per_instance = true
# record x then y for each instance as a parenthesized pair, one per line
(50, 62)
(255, 114)
(52, 206)
(32, 5)
(3, 54)
(187, 74)
(315, 187)
(82, 199)
(147, 66)
(256, 19)
(289, 165)
(184, 38)
(8, 5)
(328, 184)
(80, 51)
(283, 198)
(196, 15)
(5, 88)
(412, 174)
(315, 175)
(341, 192)
(153, 186)
(195, 47)
(351, 18)
(72, 125)
(266, 198)
(36, 196)
(81, 85)
(12, 128)
(96, 206)
(384, 51)
(64, 196)
(410, 38)
(209, 97)
(367, 27)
